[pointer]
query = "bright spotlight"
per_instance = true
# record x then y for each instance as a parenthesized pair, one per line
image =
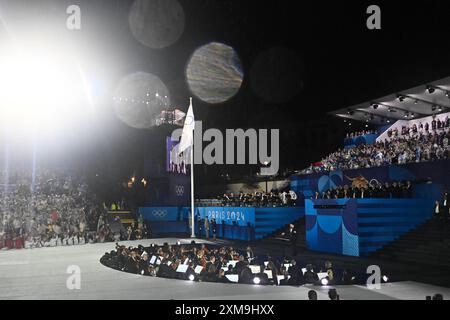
(191, 277)
(256, 280)
(41, 88)
(324, 281)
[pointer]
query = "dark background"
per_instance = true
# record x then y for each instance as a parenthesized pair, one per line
(341, 63)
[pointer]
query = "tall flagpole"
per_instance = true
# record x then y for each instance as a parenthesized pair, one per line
(192, 189)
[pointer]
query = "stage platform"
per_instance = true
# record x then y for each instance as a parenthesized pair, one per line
(41, 274)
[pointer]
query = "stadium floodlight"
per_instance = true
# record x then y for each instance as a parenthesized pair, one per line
(324, 281)
(43, 88)
(256, 280)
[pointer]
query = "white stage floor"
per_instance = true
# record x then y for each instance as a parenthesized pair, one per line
(41, 274)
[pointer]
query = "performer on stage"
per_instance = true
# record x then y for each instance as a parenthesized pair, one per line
(291, 234)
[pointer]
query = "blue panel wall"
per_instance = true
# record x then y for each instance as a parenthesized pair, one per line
(268, 220)
(243, 223)
(160, 228)
(161, 213)
(381, 222)
(358, 227)
(333, 229)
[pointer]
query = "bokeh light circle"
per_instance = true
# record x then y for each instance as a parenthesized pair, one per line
(139, 99)
(214, 73)
(156, 23)
(277, 75)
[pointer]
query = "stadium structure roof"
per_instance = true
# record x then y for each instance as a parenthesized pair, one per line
(421, 101)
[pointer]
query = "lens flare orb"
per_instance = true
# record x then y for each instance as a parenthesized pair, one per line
(214, 73)
(156, 23)
(139, 98)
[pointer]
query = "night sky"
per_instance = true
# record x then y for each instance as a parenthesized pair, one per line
(333, 61)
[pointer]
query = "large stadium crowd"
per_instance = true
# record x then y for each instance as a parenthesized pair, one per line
(49, 209)
(416, 143)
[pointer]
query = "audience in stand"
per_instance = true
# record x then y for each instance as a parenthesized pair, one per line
(359, 134)
(378, 190)
(413, 145)
(51, 209)
(48, 209)
(273, 198)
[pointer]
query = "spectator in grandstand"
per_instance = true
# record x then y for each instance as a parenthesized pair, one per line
(257, 199)
(386, 190)
(397, 149)
(359, 134)
(48, 209)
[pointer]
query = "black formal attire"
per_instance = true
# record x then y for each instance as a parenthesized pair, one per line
(310, 277)
(296, 274)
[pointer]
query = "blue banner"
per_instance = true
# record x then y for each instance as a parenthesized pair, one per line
(223, 215)
(160, 213)
(228, 215)
(243, 223)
